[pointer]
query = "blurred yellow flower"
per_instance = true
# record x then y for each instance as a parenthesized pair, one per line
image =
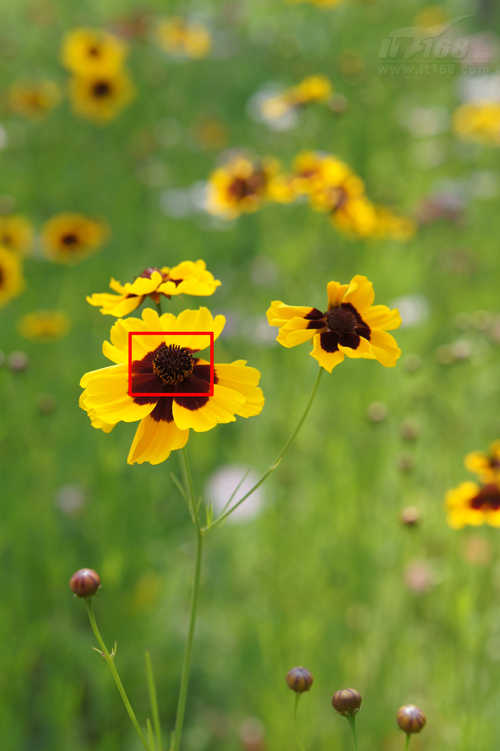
(100, 97)
(16, 233)
(44, 325)
(240, 186)
(478, 122)
(432, 16)
(485, 466)
(165, 364)
(69, 238)
(93, 52)
(394, 227)
(187, 278)
(352, 326)
(11, 276)
(308, 91)
(471, 504)
(320, 3)
(184, 38)
(34, 99)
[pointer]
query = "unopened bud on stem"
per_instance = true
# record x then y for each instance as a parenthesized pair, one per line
(347, 701)
(411, 719)
(299, 680)
(85, 582)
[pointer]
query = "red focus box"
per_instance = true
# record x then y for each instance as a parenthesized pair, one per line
(210, 334)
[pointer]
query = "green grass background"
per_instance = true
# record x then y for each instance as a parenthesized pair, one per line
(318, 578)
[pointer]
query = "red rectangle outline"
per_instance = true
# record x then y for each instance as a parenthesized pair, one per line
(171, 333)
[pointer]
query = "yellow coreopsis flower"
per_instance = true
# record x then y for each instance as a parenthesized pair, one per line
(352, 326)
(93, 52)
(312, 89)
(187, 278)
(240, 186)
(184, 38)
(44, 325)
(100, 97)
(485, 466)
(11, 276)
(164, 385)
(478, 122)
(34, 99)
(16, 233)
(69, 238)
(473, 504)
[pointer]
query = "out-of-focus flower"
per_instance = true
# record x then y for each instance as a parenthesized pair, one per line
(320, 3)
(101, 96)
(189, 278)
(414, 309)
(240, 186)
(16, 233)
(238, 480)
(183, 38)
(477, 550)
(70, 499)
(440, 205)
(473, 504)
(310, 90)
(478, 122)
(377, 411)
(409, 516)
(34, 99)
(165, 364)
(11, 276)
(18, 361)
(352, 326)
(485, 466)
(69, 238)
(252, 734)
(419, 577)
(93, 52)
(44, 325)
(431, 16)
(210, 133)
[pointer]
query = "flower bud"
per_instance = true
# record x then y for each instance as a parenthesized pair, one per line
(347, 701)
(411, 719)
(409, 516)
(299, 680)
(85, 582)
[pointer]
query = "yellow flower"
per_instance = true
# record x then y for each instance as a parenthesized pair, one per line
(432, 17)
(394, 227)
(240, 186)
(485, 466)
(311, 89)
(183, 38)
(100, 97)
(16, 233)
(11, 277)
(473, 504)
(69, 238)
(187, 278)
(93, 52)
(478, 122)
(34, 99)
(352, 326)
(164, 363)
(44, 325)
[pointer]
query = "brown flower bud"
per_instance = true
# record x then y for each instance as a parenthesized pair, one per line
(409, 516)
(85, 582)
(299, 680)
(347, 701)
(411, 719)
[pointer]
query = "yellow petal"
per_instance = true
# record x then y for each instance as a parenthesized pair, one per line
(155, 440)
(360, 294)
(327, 360)
(384, 348)
(220, 408)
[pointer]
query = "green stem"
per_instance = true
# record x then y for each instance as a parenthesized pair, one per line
(351, 719)
(153, 700)
(301, 745)
(110, 661)
(181, 704)
(158, 307)
(276, 462)
(408, 737)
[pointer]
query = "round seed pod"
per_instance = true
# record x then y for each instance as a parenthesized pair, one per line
(299, 680)
(85, 582)
(410, 719)
(347, 701)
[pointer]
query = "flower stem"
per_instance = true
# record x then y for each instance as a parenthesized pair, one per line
(110, 661)
(351, 719)
(276, 462)
(158, 307)
(300, 744)
(408, 736)
(181, 703)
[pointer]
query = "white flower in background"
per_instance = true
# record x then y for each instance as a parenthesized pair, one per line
(427, 121)
(479, 88)
(268, 106)
(222, 484)
(70, 499)
(414, 309)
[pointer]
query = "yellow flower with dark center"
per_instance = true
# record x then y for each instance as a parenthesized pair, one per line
(44, 325)
(478, 122)
(16, 233)
(167, 364)
(11, 276)
(69, 238)
(485, 466)
(240, 186)
(352, 326)
(101, 96)
(34, 99)
(93, 52)
(184, 38)
(473, 504)
(187, 278)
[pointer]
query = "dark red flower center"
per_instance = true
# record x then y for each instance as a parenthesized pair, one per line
(148, 273)
(101, 89)
(488, 499)
(242, 187)
(341, 321)
(173, 364)
(70, 238)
